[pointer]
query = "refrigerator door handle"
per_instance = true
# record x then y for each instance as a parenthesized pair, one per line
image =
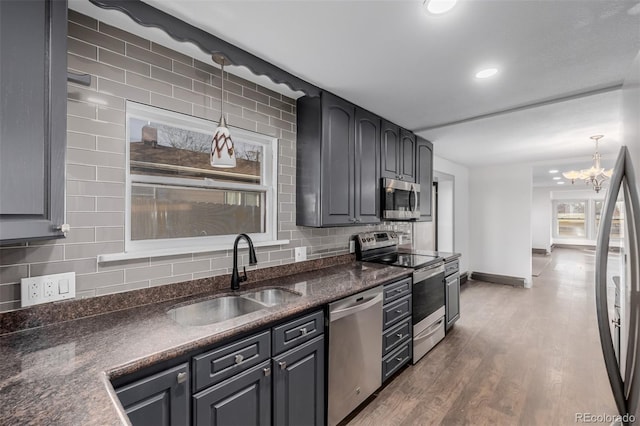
(602, 250)
(632, 219)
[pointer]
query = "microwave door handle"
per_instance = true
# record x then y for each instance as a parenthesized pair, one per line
(602, 250)
(415, 198)
(411, 192)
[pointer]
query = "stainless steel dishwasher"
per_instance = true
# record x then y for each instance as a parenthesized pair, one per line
(355, 351)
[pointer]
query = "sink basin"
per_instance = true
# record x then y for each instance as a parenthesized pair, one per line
(272, 296)
(214, 310)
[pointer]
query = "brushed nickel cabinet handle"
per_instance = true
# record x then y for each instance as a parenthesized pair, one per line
(239, 358)
(282, 365)
(303, 331)
(182, 377)
(267, 371)
(399, 335)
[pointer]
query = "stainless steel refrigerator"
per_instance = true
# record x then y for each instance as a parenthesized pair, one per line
(618, 264)
(617, 285)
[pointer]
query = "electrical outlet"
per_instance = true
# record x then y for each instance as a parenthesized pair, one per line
(301, 254)
(48, 288)
(352, 246)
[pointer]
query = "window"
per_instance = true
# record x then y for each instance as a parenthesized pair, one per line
(570, 219)
(175, 199)
(617, 222)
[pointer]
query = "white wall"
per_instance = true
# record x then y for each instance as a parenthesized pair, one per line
(460, 205)
(541, 218)
(500, 223)
(446, 214)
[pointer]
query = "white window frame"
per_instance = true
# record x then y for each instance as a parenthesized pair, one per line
(269, 187)
(588, 219)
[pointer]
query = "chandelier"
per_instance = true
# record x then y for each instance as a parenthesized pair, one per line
(594, 176)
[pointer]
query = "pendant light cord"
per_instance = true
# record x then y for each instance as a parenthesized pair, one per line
(222, 94)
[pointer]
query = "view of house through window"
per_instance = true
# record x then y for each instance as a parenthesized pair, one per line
(174, 191)
(570, 219)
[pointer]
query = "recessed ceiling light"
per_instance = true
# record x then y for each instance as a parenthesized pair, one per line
(557, 178)
(439, 6)
(486, 73)
(553, 171)
(560, 183)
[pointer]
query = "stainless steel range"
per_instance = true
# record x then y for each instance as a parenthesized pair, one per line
(428, 294)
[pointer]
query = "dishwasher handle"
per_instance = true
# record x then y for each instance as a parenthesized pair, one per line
(361, 306)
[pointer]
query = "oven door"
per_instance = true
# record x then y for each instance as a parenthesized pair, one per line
(401, 200)
(428, 292)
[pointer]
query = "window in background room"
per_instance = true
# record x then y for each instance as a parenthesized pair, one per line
(176, 199)
(570, 219)
(617, 222)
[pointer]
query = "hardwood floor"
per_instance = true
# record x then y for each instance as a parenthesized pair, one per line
(516, 356)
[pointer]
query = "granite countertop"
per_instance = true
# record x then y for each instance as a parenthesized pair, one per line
(60, 374)
(447, 256)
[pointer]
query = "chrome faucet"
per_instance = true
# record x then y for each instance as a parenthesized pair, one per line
(236, 279)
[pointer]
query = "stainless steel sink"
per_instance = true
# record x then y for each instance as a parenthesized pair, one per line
(214, 310)
(220, 309)
(272, 296)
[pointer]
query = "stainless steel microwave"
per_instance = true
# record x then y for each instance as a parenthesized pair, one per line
(400, 200)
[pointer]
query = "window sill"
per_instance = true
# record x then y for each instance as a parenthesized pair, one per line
(114, 257)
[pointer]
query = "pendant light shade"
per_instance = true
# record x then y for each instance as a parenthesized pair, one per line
(223, 153)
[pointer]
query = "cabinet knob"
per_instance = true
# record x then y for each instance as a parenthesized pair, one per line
(399, 359)
(239, 358)
(399, 335)
(303, 331)
(267, 371)
(182, 377)
(398, 311)
(282, 365)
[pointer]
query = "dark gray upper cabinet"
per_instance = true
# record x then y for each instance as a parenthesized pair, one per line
(298, 388)
(334, 183)
(159, 400)
(33, 116)
(367, 158)
(390, 148)
(398, 153)
(424, 176)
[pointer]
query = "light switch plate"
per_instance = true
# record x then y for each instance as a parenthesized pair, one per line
(352, 246)
(48, 288)
(301, 254)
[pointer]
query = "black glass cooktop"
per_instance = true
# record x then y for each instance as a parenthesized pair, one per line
(406, 260)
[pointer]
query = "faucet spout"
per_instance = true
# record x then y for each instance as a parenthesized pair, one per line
(236, 279)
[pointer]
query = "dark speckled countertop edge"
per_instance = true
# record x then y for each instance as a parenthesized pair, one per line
(91, 352)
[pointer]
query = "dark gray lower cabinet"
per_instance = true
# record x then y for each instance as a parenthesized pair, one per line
(244, 399)
(158, 400)
(298, 388)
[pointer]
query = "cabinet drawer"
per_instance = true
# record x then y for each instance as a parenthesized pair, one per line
(396, 311)
(395, 291)
(220, 364)
(395, 360)
(451, 267)
(292, 333)
(396, 336)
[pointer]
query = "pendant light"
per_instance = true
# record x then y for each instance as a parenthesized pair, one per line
(594, 176)
(222, 150)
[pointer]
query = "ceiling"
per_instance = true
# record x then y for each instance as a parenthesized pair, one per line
(418, 70)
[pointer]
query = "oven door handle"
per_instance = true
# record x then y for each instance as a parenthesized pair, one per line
(421, 275)
(429, 331)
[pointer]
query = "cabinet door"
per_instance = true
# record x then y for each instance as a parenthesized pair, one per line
(337, 161)
(367, 158)
(33, 73)
(452, 299)
(298, 392)
(243, 400)
(390, 140)
(159, 400)
(424, 177)
(407, 156)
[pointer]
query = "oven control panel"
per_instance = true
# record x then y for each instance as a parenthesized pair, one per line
(376, 239)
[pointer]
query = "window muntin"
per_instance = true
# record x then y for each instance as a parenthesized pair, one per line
(176, 199)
